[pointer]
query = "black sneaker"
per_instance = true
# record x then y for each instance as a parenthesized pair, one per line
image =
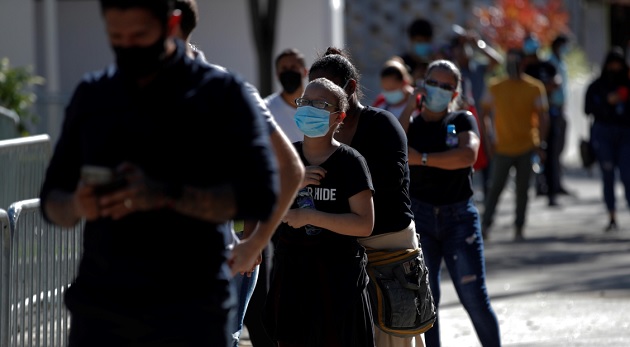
(518, 234)
(612, 226)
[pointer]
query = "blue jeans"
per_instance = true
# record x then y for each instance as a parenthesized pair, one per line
(244, 289)
(453, 233)
(611, 144)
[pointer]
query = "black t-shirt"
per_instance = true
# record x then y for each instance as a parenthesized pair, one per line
(318, 289)
(596, 101)
(382, 141)
(346, 175)
(543, 71)
(434, 185)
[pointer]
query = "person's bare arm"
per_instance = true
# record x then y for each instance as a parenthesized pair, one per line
(140, 193)
(258, 234)
(463, 156)
(410, 107)
(65, 209)
(358, 222)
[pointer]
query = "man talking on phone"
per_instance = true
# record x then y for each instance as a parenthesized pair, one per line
(154, 265)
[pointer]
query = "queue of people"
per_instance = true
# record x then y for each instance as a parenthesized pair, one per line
(318, 178)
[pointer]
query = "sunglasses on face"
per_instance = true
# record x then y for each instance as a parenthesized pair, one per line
(445, 86)
(321, 104)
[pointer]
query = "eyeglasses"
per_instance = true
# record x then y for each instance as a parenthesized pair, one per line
(321, 104)
(445, 86)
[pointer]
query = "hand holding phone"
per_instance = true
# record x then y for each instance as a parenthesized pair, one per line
(103, 178)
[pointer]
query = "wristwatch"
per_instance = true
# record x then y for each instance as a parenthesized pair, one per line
(424, 159)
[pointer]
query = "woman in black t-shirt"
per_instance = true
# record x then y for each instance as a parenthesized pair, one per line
(318, 294)
(378, 136)
(441, 197)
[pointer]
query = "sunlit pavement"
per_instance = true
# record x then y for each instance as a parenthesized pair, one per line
(567, 284)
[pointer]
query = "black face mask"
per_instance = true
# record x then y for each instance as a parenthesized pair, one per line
(137, 62)
(290, 80)
(614, 77)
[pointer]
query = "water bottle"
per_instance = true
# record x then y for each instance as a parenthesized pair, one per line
(451, 136)
(305, 200)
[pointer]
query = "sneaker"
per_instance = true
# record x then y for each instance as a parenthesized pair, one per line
(553, 202)
(518, 235)
(612, 226)
(485, 232)
(564, 191)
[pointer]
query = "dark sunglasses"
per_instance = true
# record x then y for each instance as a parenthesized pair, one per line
(445, 86)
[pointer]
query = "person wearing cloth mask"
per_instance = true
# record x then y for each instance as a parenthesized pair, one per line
(318, 294)
(518, 105)
(446, 217)
(395, 85)
(546, 73)
(378, 136)
(290, 71)
(608, 103)
(557, 116)
(420, 35)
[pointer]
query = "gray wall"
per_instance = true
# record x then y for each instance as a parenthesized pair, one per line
(17, 32)
(224, 34)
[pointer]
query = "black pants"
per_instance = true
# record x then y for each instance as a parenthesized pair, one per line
(550, 182)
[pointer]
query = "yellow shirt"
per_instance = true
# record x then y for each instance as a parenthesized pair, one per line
(516, 105)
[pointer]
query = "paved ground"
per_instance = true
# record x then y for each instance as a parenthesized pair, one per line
(567, 284)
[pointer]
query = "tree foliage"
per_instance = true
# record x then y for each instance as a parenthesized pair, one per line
(16, 92)
(507, 22)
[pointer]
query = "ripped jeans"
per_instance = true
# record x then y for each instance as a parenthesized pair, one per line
(453, 233)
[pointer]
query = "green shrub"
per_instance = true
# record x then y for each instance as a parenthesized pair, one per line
(16, 92)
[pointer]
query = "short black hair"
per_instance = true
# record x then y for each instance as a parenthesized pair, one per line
(420, 27)
(162, 9)
(559, 41)
(189, 15)
(289, 52)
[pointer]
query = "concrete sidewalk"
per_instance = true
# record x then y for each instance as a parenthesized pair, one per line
(567, 284)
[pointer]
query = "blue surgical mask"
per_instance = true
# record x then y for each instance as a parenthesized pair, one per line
(393, 97)
(557, 97)
(437, 99)
(313, 122)
(422, 49)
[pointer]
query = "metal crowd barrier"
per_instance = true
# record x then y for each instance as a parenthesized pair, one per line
(39, 261)
(5, 258)
(23, 163)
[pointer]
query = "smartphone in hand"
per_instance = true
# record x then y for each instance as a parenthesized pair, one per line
(103, 178)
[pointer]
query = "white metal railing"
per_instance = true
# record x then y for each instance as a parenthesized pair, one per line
(39, 261)
(23, 163)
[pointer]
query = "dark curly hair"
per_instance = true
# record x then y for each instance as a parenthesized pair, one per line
(336, 62)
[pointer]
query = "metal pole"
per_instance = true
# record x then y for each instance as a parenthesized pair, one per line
(51, 54)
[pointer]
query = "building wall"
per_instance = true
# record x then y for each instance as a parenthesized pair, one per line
(17, 32)
(377, 30)
(224, 34)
